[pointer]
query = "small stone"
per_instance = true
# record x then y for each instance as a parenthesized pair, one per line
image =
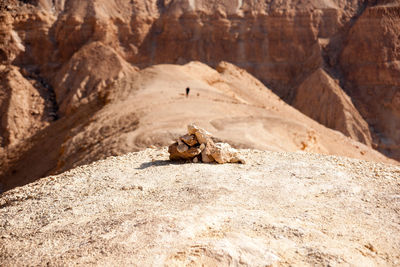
(370, 247)
(190, 153)
(224, 153)
(202, 135)
(182, 148)
(193, 151)
(206, 158)
(195, 160)
(202, 146)
(189, 139)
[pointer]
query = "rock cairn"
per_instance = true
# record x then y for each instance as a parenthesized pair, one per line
(198, 146)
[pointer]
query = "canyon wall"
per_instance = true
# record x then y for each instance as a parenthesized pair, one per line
(371, 65)
(76, 49)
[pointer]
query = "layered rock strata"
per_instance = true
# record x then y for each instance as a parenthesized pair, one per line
(371, 64)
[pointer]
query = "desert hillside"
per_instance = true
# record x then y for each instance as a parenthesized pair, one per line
(83, 80)
(92, 92)
(140, 209)
(145, 108)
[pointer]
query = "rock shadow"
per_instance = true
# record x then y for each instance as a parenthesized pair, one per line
(159, 163)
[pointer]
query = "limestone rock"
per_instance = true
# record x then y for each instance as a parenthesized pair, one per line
(224, 153)
(189, 139)
(202, 135)
(182, 148)
(176, 154)
(202, 147)
(206, 158)
(201, 142)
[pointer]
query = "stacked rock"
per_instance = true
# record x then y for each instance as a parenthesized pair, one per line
(198, 146)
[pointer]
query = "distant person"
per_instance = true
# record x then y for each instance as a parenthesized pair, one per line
(187, 91)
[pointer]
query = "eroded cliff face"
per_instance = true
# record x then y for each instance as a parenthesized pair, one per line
(21, 107)
(371, 64)
(279, 43)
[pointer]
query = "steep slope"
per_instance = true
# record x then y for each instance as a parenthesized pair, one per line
(140, 209)
(149, 108)
(23, 110)
(322, 99)
(88, 74)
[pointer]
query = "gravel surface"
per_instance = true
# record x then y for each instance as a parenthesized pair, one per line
(142, 210)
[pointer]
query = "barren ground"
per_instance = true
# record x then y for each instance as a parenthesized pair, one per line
(140, 209)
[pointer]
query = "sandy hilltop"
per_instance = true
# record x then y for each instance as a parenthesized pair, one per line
(140, 209)
(92, 92)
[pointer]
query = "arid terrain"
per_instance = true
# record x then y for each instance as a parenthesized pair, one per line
(149, 108)
(300, 86)
(140, 209)
(83, 80)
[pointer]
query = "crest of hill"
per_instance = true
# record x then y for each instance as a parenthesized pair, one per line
(279, 208)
